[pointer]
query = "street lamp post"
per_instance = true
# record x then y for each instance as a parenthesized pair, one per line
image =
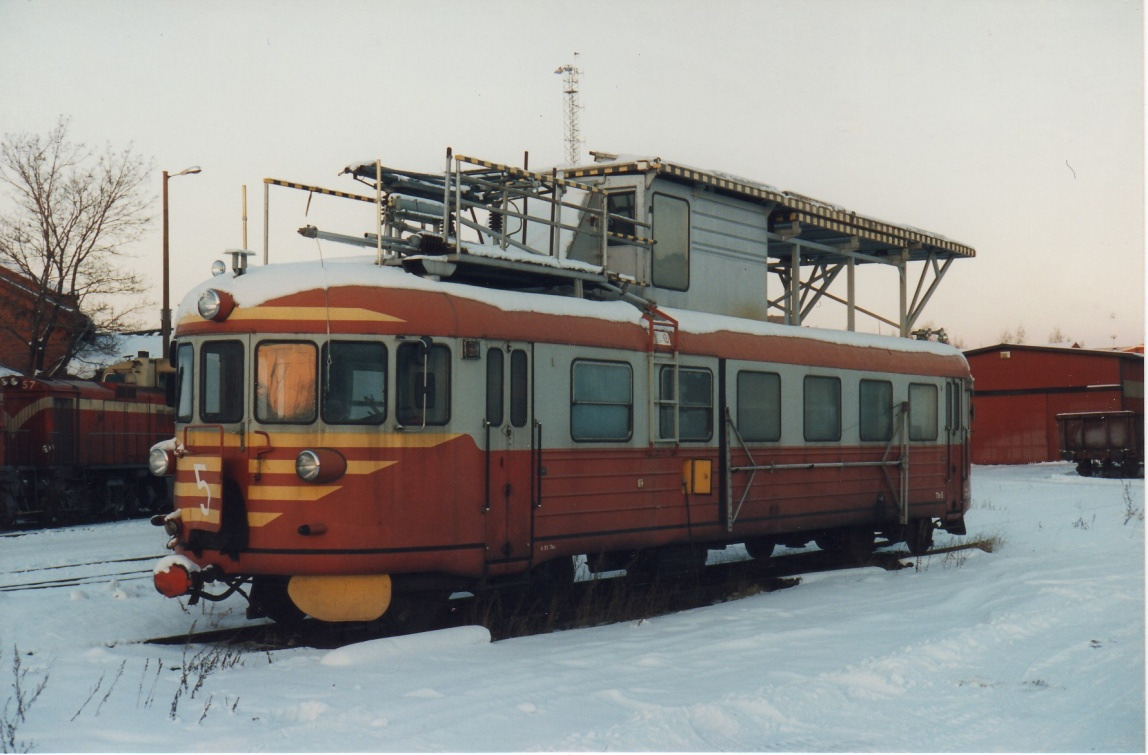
(165, 312)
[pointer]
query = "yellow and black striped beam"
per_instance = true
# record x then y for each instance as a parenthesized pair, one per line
(318, 190)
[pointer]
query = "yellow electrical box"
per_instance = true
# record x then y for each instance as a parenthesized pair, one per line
(697, 476)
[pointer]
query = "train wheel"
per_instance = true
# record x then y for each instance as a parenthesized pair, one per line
(919, 535)
(759, 548)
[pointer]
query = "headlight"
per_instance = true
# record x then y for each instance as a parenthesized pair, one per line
(320, 465)
(160, 462)
(215, 305)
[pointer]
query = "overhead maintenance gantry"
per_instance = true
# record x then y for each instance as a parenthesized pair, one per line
(644, 229)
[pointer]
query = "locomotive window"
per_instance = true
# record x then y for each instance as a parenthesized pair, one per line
(694, 405)
(285, 378)
(759, 406)
(354, 383)
(423, 384)
(185, 369)
(494, 381)
(671, 229)
(221, 381)
(875, 402)
(822, 408)
(519, 387)
(601, 401)
(620, 203)
(922, 411)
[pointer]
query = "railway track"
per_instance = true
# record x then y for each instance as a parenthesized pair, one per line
(84, 577)
(513, 612)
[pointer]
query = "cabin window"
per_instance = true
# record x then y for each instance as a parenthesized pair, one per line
(221, 381)
(671, 231)
(185, 372)
(875, 408)
(494, 382)
(694, 404)
(601, 401)
(354, 383)
(620, 203)
(423, 383)
(519, 388)
(285, 380)
(922, 411)
(759, 406)
(822, 408)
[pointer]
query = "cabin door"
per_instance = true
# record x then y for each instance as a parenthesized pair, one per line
(956, 433)
(510, 453)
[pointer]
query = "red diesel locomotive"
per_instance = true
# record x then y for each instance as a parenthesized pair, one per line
(77, 449)
(362, 429)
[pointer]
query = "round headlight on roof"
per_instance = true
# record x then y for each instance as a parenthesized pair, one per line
(215, 305)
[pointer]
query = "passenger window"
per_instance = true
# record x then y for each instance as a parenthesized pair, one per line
(285, 380)
(694, 405)
(759, 406)
(423, 383)
(922, 411)
(354, 383)
(494, 382)
(221, 381)
(822, 408)
(185, 379)
(601, 401)
(875, 406)
(671, 230)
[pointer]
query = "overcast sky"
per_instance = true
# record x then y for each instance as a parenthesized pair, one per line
(1013, 127)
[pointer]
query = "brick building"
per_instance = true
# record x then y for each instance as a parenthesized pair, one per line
(1018, 391)
(18, 309)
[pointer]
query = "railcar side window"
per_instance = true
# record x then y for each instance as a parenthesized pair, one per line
(922, 411)
(670, 266)
(822, 408)
(601, 401)
(620, 203)
(354, 383)
(221, 381)
(185, 371)
(759, 406)
(694, 405)
(494, 381)
(423, 384)
(875, 402)
(285, 379)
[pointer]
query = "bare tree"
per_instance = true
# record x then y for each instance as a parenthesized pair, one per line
(72, 211)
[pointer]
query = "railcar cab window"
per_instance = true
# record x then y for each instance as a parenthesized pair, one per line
(822, 408)
(354, 383)
(601, 401)
(694, 404)
(185, 371)
(285, 379)
(221, 381)
(759, 406)
(922, 411)
(670, 264)
(875, 406)
(620, 203)
(423, 383)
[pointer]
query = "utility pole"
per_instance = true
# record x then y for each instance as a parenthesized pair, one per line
(570, 74)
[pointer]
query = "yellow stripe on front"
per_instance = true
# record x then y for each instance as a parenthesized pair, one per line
(313, 314)
(287, 466)
(299, 492)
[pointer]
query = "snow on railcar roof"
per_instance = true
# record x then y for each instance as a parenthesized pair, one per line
(262, 284)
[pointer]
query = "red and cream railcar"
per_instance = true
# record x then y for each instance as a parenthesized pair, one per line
(349, 431)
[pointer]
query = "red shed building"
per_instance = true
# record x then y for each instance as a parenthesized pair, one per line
(22, 302)
(1018, 390)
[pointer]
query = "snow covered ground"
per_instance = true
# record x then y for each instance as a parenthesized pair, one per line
(1038, 646)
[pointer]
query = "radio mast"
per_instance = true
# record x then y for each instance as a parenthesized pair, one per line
(570, 74)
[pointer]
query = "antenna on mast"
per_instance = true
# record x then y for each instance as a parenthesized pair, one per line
(570, 88)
